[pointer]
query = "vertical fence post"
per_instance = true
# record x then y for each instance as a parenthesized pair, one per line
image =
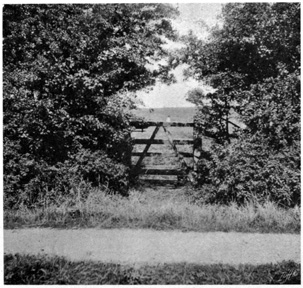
(197, 146)
(129, 150)
(128, 157)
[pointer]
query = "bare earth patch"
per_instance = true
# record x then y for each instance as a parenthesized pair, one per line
(127, 246)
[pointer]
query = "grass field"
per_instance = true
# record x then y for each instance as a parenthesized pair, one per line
(36, 270)
(161, 209)
(176, 114)
(182, 114)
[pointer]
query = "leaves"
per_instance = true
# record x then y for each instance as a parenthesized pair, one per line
(67, 69)
(253, 62)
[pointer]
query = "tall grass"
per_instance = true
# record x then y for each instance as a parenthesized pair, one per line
(26, 269)
(163, 209)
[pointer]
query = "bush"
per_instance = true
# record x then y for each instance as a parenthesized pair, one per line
(69, 76)
(264, 163)
(253, 64)
(34, 183)
(250, 171)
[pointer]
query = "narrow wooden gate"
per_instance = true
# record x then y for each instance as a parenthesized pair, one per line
(184, 168)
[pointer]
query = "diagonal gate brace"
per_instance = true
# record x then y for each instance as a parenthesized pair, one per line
(171, 142)
(137, 167)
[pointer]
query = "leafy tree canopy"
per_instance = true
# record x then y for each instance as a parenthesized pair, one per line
(253, 63)
(259, 42)
(66, 71)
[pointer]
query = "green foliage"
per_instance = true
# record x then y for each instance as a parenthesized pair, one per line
(181, 209)
(253, 63)
(249, 171)
(67, 72)
(273, 110)
(36, 270)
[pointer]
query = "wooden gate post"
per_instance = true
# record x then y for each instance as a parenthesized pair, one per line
(128, 153)
(197, 146)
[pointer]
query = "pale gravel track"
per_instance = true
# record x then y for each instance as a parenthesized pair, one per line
(127, 246)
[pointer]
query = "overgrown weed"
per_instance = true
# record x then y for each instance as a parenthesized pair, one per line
(26, 269)
(163, 209)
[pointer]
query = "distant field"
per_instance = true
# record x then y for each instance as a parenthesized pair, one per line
(182, 114)
(177, 114)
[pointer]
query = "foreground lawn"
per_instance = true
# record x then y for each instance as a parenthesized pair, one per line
(54, 270)
(161, 208)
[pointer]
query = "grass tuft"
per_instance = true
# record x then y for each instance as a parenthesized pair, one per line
(26, 269)
(162, 209)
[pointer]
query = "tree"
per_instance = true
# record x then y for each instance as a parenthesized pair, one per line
(253, 63)
(67, 69)
(256, 41)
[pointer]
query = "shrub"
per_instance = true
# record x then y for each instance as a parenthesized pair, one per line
(69, 75)
(248, 170)
(254, 67)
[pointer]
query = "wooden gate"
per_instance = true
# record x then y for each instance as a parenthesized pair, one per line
(184, 168)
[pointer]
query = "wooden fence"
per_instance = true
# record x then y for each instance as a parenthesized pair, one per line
(182, 171)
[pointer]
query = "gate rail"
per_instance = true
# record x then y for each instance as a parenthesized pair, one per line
(196, 143)
(182, 172)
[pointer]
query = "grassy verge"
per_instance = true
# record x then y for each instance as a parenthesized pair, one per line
(160, 209)
(45, 270)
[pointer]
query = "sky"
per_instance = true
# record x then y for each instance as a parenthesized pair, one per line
(174, 95)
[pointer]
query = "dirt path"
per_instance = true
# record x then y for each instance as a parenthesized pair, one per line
(128, 246)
